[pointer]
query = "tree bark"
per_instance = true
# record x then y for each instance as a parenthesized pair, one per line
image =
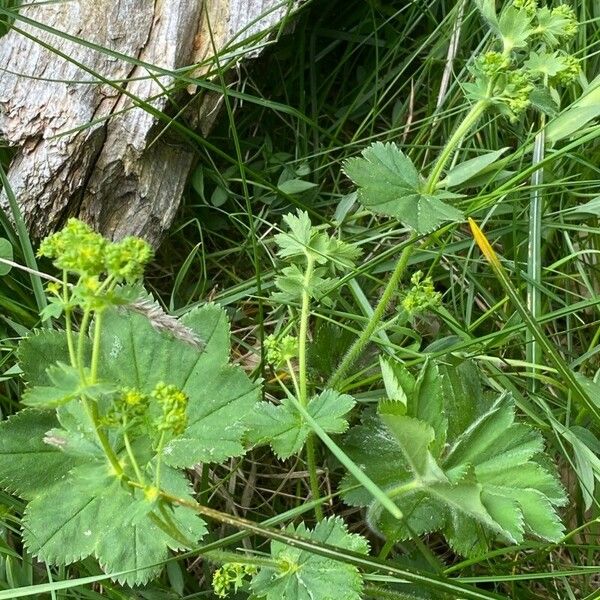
(84, 146)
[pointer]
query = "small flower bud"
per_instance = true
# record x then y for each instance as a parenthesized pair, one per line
(529, 6)
(568, 20)
(75, 248)
(491, 63)
(421, 296)
(231, 575)
(125, 260)
(570, 72)
(174, 406)
(280, 350)
(54, 288)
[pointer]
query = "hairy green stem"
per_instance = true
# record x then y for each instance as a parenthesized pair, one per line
(409, 486)
(159, 451)
(303, 385)
(303, 333)
(90, 405)
(132, 458)
(68, 321)
(222, 557)
(92, 412)
(455, 139)
(294, 378)
(375, 591)
(432, 181)
(85, 321)
(169, 528)
(367, 563)
(96, 347)
(378, 314)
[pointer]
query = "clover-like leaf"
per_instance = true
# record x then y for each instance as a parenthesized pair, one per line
(300, 575)
(135, 354)
(308, 245)
(546, 63)
(285, 429)
(557, 25)
(486, 480)
(303, 240)
(389, 184)
(98, 516)
(297, 241)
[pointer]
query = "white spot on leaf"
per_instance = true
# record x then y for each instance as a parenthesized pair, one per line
(116, 347)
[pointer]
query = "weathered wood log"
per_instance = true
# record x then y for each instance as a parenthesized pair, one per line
(84, 146)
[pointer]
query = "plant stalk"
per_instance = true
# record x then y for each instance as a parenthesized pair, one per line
(303, 385)
(432, 181)
(159, 451)
(96, 347)
(455, 139)
(378, 314)
(130, 453)
(68, 321)
(90, 406)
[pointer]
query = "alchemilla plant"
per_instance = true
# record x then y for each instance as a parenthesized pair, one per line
(116, 411)
(121, 401)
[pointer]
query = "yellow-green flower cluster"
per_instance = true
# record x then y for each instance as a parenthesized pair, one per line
(134, 402)
(421, 296)
(492, 63)
(516, 92)
(529, 6)
(231, 575)
(280, 350)
(570, 72)
(129, 405)
(125, 260)
(174, 408)
(565, 15)
(77, 248)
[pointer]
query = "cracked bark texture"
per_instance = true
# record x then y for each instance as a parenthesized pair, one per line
(83, 146)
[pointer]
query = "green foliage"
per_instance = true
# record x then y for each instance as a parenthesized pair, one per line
(285, 429)
(231, 577)
(481, 481)
(136, 397)
(421, 296)
(6, 252)
(308, 246)
(89, 513)
(136, 355)
(389, 184)
(66, 386)
(351, 74)
(533, 60)
(469, 169)
(28, 464)
(300, 575)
